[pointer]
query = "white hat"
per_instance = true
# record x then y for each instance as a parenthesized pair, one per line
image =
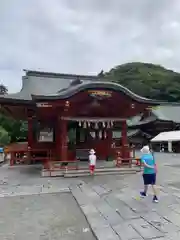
(145, 149)
(92, 151)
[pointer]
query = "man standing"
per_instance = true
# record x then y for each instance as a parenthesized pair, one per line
(149, 173)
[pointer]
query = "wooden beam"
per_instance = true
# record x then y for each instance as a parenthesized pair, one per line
(91, 119)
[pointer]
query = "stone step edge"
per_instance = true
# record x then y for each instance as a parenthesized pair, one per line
(103, 170)
(61, 174)
(66, 175)
(97, 170)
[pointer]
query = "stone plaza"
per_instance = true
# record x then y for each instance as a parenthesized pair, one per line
(101, 207)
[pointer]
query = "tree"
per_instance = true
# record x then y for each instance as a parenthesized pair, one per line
(147, 80)
(3, 89)
(17, 130)
(4, 137)
(11, 129)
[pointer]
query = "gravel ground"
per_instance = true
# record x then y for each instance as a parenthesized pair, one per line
(42, 217)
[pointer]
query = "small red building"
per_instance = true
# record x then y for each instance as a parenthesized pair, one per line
(75, 112)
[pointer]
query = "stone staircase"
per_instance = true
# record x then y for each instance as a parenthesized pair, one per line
(85, 172)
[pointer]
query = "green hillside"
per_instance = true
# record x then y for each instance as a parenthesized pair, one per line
(148, 80)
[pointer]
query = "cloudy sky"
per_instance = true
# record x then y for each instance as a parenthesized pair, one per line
(85, 36)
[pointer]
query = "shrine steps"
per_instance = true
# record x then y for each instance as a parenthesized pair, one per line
(85, 172)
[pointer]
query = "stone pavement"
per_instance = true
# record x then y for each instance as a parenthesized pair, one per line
(110, 204)
(42, 216)
(37, 208)
(123, 215)
(114, 209)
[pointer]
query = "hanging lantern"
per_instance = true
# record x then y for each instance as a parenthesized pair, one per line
(96, 125)
(84, 125)
(105, 135)
(67, 104)
(89, 124)
(100, 134)
(132, 105)
(80, 124)
(111, 123)
(103, 124)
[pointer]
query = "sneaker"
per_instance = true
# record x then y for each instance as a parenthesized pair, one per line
(143, 194)
(155, 199)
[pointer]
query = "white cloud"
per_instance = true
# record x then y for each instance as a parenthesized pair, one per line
(85, 36)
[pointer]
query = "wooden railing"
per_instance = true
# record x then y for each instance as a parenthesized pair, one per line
(21, 154)
(29, 156)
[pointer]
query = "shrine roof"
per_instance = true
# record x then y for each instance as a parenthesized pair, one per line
(164, 113)
(167, 113)
(88, 85)
(43, 83)
(37, 85)
(135, 122)
(130, 133)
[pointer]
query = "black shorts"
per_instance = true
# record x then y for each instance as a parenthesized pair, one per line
(149, 179)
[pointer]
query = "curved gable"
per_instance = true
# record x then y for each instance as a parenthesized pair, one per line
(99, 85)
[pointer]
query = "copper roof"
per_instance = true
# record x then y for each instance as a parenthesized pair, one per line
(38, 85)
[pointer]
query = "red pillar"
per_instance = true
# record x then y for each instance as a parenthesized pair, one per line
(125, 146)
(64, 147)
(30, 132)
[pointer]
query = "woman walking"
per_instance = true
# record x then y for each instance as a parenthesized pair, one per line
(149, 172)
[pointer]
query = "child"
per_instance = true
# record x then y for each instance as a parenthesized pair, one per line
(92, 161)
(149, 174)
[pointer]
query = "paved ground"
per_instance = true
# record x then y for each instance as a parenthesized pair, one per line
(38, 208)
(45, 216)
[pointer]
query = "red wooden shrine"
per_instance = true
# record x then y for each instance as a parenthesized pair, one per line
(61, 103)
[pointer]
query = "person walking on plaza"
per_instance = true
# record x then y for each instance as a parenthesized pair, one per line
(92, 161)
(149, 172)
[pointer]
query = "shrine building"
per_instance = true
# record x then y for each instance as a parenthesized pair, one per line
(69, 114)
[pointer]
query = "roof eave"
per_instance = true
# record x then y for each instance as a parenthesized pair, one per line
(12, 101)
(64, 75)
(98, 85)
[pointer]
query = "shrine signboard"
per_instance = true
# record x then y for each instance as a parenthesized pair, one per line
(100, 94)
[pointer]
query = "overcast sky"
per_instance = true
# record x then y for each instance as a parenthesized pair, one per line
(85, 36)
